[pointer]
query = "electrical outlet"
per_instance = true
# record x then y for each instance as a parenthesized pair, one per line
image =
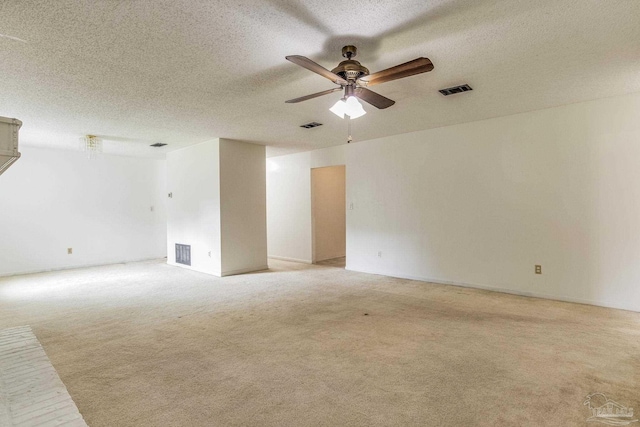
(151, 209)
(170, 195)
(209, 254)
(379, 254)
(351, 206)
(69, 251)
(538, 269)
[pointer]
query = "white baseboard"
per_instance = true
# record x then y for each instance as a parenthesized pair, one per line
(245, 270)
(75, 267)
(197, 270)
(606, 304)
(283, 258)
(328, 258)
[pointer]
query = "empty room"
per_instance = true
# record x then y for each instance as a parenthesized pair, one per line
(297, 213)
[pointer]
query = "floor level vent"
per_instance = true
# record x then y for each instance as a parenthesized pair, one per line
(456, 89)
(183, 254)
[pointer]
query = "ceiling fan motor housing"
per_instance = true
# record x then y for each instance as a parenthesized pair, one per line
(350, 70)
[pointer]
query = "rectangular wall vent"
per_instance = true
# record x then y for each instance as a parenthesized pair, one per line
(183, 254)
(456, 89)
(311, 125)
(157, 144)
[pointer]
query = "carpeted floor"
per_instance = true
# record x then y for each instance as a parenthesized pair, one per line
(340, 262)
(31, 393)
(146, 344)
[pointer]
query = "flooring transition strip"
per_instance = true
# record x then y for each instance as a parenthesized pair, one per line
(31, 392)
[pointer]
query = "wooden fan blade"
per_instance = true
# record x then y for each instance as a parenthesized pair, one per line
(373, 98)
(417, 66)
(316, 68)
(314, 95)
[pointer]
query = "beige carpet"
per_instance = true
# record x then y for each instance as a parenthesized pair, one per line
(340, 262)
(31, 393)
(146, 344)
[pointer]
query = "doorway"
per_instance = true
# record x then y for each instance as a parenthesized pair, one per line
(328, 215)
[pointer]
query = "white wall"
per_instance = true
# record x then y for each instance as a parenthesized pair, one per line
(243, 207)
(218, 206)
(480, 204)
(193, 213)
(289, 232)
(51, 200)
(328, 212)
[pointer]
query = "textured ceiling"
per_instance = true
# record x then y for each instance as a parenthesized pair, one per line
(183, 71)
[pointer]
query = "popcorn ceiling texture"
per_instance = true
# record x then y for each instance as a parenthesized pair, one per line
(183, 71)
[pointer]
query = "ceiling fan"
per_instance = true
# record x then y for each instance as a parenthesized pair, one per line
(354, 78)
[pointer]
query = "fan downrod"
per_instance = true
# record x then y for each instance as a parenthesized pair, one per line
(349, 51)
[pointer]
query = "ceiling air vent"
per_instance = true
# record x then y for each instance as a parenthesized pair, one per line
(311, 125)
(456, 89)
(158, 144)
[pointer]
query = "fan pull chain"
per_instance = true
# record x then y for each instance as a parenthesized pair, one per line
(349, 139)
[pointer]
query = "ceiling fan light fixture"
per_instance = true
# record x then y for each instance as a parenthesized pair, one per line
(351, 107)
(339, 108)
(354, 108)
